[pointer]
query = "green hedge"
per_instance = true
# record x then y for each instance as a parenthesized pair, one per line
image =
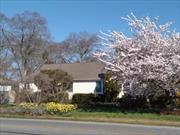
(129, 102)
(83, 99)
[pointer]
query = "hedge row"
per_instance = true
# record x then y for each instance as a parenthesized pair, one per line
(127, 102)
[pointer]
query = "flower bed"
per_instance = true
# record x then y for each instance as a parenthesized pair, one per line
(56, 108)
(49, 108)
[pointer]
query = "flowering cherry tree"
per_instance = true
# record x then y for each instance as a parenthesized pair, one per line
(151, 53)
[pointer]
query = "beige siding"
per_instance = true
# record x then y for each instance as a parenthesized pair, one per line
(32, 87)
(84, 87)
(5, 88)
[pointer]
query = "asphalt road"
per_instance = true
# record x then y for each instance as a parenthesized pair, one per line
(9, 126)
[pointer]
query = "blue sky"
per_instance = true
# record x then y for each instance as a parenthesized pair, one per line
(65, 16)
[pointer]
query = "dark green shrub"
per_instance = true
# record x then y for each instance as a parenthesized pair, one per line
(111, 88)
(99, 98)
(158, 95)
(83, 99)
(129, 102)
(160, 101)
(178, 98)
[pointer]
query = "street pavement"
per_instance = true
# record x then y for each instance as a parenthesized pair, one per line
(12, 126)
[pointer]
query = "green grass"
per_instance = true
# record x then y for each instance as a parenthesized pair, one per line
(128, 114)
(107, 115)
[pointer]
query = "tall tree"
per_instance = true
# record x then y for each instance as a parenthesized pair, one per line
(78, 47)
(25, 36)
(151, 53)
(55, 53)
(5, 60)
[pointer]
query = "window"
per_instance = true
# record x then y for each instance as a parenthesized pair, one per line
(98, 86)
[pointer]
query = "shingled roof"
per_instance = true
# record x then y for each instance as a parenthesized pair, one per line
(5, 81)
(79, 71)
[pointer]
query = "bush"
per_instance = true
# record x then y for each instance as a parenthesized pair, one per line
(178, 98)
(111, 88)
(25, 105)
(158, 95)
(83, 99)
(50, 108)
(160, 101)
(129, 102)
(29, 109)
(63, 97)
(53, 84)
(56, 108)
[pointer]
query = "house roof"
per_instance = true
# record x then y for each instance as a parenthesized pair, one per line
(79, 71)
(5, 81)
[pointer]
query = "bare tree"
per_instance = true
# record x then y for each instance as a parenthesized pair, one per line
(78, 47)
(55, 53)
(5, 59)
(25, 37)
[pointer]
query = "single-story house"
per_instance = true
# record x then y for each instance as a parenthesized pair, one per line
(7, 92)
(87, 77)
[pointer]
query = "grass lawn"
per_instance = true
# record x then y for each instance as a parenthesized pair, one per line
(107, 115)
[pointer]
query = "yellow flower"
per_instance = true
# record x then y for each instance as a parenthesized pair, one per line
(57, 108)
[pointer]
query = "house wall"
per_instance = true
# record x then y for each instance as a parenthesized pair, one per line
(121, 94)
(5, 88)
(84, 87)
(12, 96)
(7, 95)
(32, 87)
